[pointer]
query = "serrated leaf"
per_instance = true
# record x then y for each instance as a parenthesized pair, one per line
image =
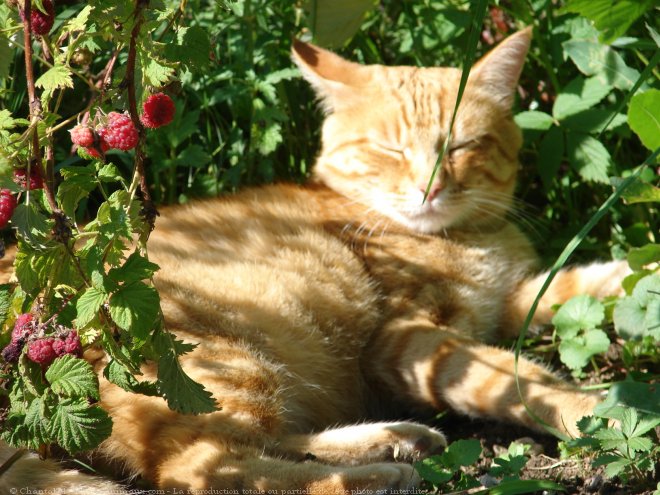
(88, 305)
(183, 394)
(644, 117)
(592, 120)
(192, 48)
(79, 22)
(612, 19)
(77, 184)
(589, 157)
(37, 423)
(611, 438)
(614, 468)
(5, 301)
(588, 425)
(193, 156)
(578, 313)
(118, 374)
(72, 377)
(282, 75)
(640, 444)
(31, 223)
(134, 308)
(534, 120)
(602, 62)
(135, 268)
(629, 421)
(57, 77)
(154, 72)
(77, 426)
(579, 95)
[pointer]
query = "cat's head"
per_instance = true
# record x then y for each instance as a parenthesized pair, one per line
(385, 127)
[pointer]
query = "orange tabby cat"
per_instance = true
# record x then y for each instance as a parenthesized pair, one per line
(318, 308)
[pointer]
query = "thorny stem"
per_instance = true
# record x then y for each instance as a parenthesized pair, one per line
(35, 110)
(149, 209)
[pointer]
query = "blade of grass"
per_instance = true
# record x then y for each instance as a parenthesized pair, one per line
(640, 80)
(468, 61)
(558, 265)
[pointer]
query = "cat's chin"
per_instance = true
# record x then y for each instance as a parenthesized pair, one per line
(427, 222)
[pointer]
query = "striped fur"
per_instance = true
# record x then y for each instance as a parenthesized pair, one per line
(312, 304)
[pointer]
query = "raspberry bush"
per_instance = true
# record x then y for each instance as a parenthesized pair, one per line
(84, 284)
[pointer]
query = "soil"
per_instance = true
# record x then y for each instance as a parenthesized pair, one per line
(577, 476)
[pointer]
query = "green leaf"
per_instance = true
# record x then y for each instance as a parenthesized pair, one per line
(192, 48)
(333, 22)
(644, 117)
(5, 301)
(77, 426)
(73, 377)
(136, 268)
(638, 191)
(593, 120)
(611, 439)
(134, 308)
(118, 374)
(645, 255)
(88, 305)
(155, 72)
(589, 157)
(183, 394)
(615, 467)
(31, 223)
(578, 313)
(193, 156)
(38, 423)
(612, 19)
(602, 62)
(79, 22)
(433, 470)
(57, 77)
(575, 352)
(644, 397)
(77, 184)
(579, 95)
(539, 121)
(638, 315)
(551, 153)
(461, 453)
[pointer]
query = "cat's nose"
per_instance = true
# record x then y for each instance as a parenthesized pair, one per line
(433, 191)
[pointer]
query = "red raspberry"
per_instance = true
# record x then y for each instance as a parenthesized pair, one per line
(158, 110)
(36, 182)
(12, 352)
(41, 351)
(82, 136)
(93, 152)
(23, 327)
(7, 206)
(41, 22)
(119, 132)
(69, 344)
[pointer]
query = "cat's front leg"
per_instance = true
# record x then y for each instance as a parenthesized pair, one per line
(596, 279)
(436, 367)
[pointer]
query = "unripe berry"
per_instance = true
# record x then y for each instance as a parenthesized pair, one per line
(82, 136)
(119, 132)
(93, 152)
(7, 206)
(158, 110)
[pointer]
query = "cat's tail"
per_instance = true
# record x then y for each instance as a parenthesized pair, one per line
(22, 472)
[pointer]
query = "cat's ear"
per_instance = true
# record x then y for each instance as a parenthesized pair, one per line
(499, 70)
(334, 79)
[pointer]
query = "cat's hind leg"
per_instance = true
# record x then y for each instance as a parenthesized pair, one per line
(366, 443)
